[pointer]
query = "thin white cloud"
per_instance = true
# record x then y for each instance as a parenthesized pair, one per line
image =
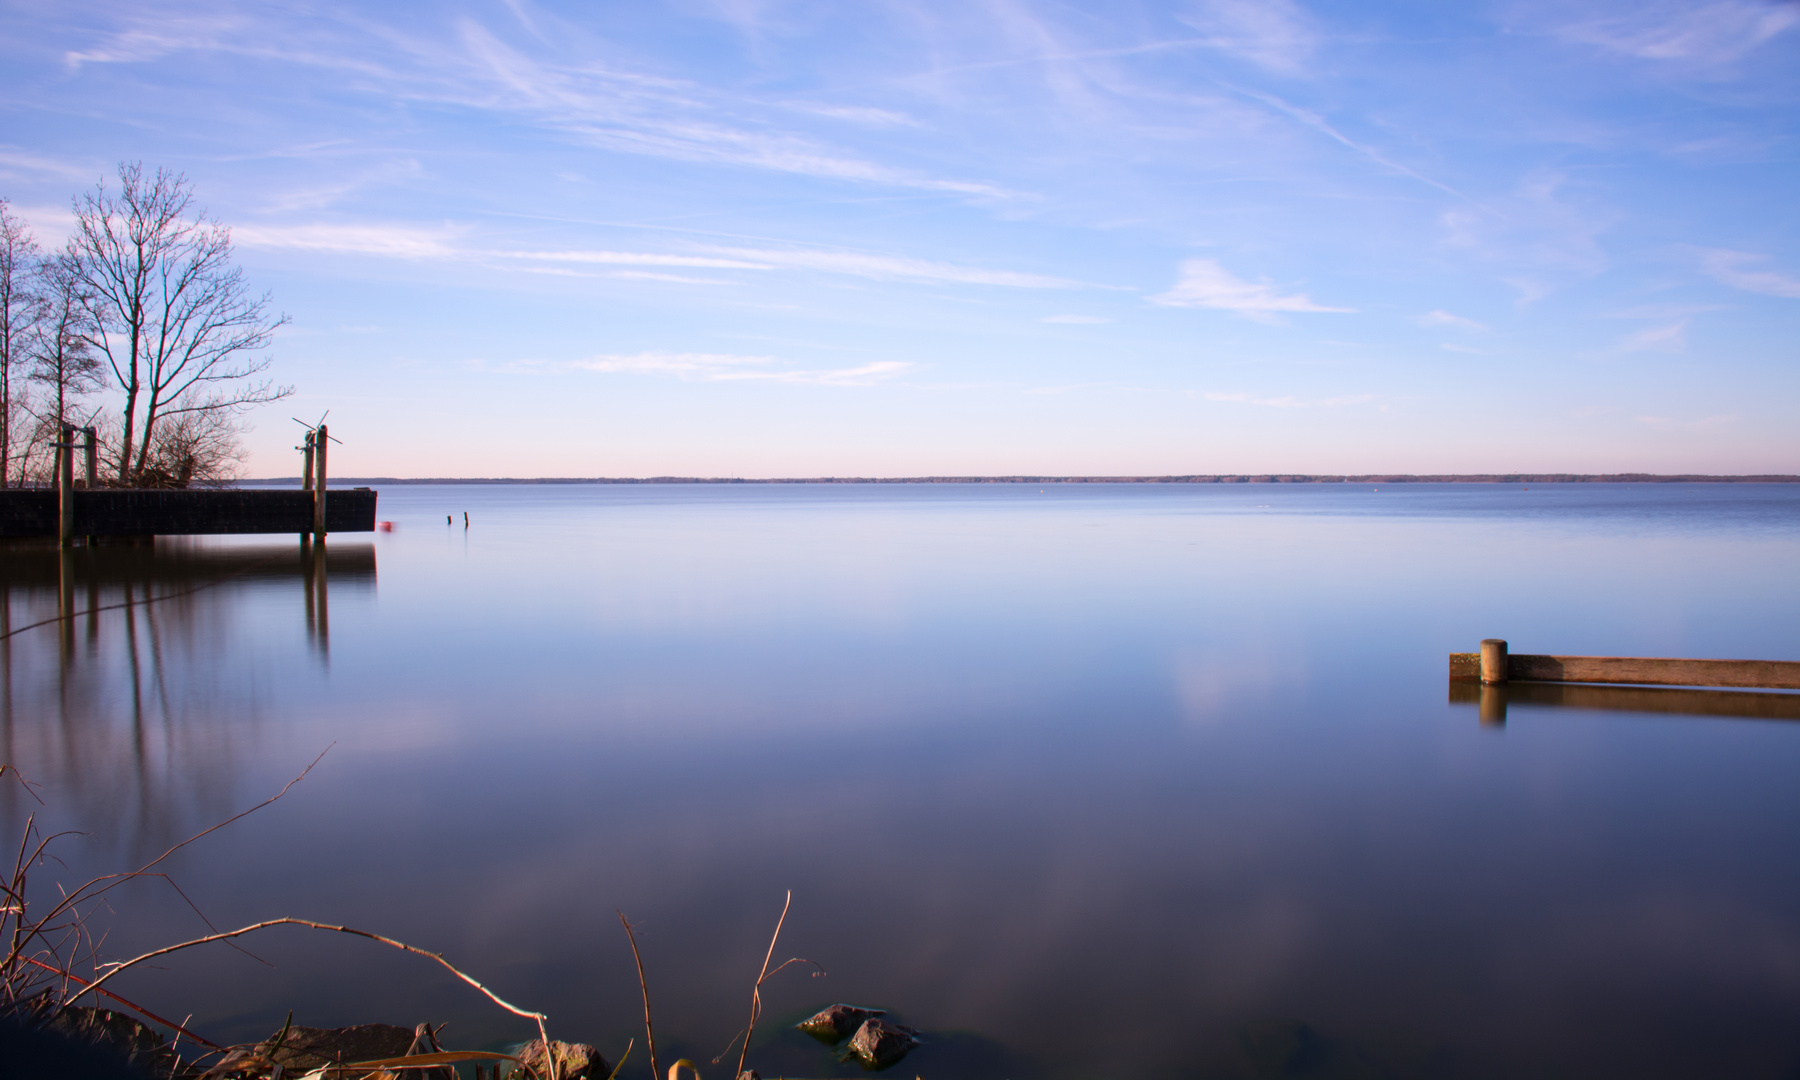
(386, 241)
(15, 161)
(1708, 35)
(731, 367)
(682, 365)
(1206, 284)
(1738, 269)
(1530, 290)
(856, 114)
(1287, 402)
(678, 279)
(1273, 34)
(1445, 318)
(1076, 320)
(855, 376)
(635, 258)
(1238, 398)
(415, 242)
(893, 268)
(1669, 338)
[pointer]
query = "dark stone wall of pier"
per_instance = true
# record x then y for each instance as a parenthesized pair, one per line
(144, 512)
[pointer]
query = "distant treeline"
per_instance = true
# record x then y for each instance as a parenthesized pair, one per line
(1227, 478)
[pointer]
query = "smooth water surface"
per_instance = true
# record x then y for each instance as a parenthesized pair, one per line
(1081, 781)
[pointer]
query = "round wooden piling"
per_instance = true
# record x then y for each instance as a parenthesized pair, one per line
(1493, 660)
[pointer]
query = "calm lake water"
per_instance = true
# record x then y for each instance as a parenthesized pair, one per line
(1081, 781)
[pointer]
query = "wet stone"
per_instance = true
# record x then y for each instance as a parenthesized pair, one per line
(831, 1025)
(878, 1044)
(574, 1061)
(306, 1049)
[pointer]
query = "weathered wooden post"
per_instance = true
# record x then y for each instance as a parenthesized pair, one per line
(1493, 660)
(65, 486)
(93, 468)
(319, 440)
(306, 485)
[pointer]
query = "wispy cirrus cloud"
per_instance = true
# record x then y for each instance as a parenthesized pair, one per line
(1707, 35)
(381, 240)
(894, 267)
(1206, 284)
(399, 241)
(1445, 318)
(1287, 402)
(1742, 270)
(1671, 337)
(731, 367)
(1276, 35)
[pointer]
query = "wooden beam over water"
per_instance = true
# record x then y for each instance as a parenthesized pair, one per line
(1640, 670)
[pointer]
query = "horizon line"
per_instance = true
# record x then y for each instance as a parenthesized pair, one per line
(1194, 478)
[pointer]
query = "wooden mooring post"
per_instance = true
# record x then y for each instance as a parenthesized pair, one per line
(306, 479)
(65, 486)
(320, 439)
(1494, 666)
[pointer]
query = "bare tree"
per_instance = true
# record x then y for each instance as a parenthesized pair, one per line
(62, 357)
(20, 310)
(171, 314)
(193, 448)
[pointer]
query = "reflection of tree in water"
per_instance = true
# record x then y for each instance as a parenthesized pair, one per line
(138, 711)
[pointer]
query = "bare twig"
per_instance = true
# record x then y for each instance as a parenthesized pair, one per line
(756, 990)
(119, 966)
(644, 987)
(134, 1006)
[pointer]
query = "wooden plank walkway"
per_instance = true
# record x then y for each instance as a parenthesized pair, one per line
(1639, 670)
(155, 512)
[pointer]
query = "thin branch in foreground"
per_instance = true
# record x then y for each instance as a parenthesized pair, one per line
(401, 945)
(644, 987)
(764, 976)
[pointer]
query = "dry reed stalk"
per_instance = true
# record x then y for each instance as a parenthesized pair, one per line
(644, 988)
(66, 921)
(756, 990)
(403, 946)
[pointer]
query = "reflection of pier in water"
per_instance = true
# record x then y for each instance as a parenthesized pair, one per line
(1493, 700)
(126, 677)
(89, 581)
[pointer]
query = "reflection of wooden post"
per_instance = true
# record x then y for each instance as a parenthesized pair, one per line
(306, 485)
(65, 601)
(1493, 705)
(65, 486)
(306, 581)
(319, 441)
(321, 592)
(1493, 661)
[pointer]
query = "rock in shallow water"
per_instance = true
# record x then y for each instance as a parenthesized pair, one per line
(574, 1061)
(878, 1044)
(830, 1025)
(306, 1048)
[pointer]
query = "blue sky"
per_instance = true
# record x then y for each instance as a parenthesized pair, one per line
(766, 238)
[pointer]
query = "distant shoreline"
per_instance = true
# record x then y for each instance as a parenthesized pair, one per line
(1221, 478)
